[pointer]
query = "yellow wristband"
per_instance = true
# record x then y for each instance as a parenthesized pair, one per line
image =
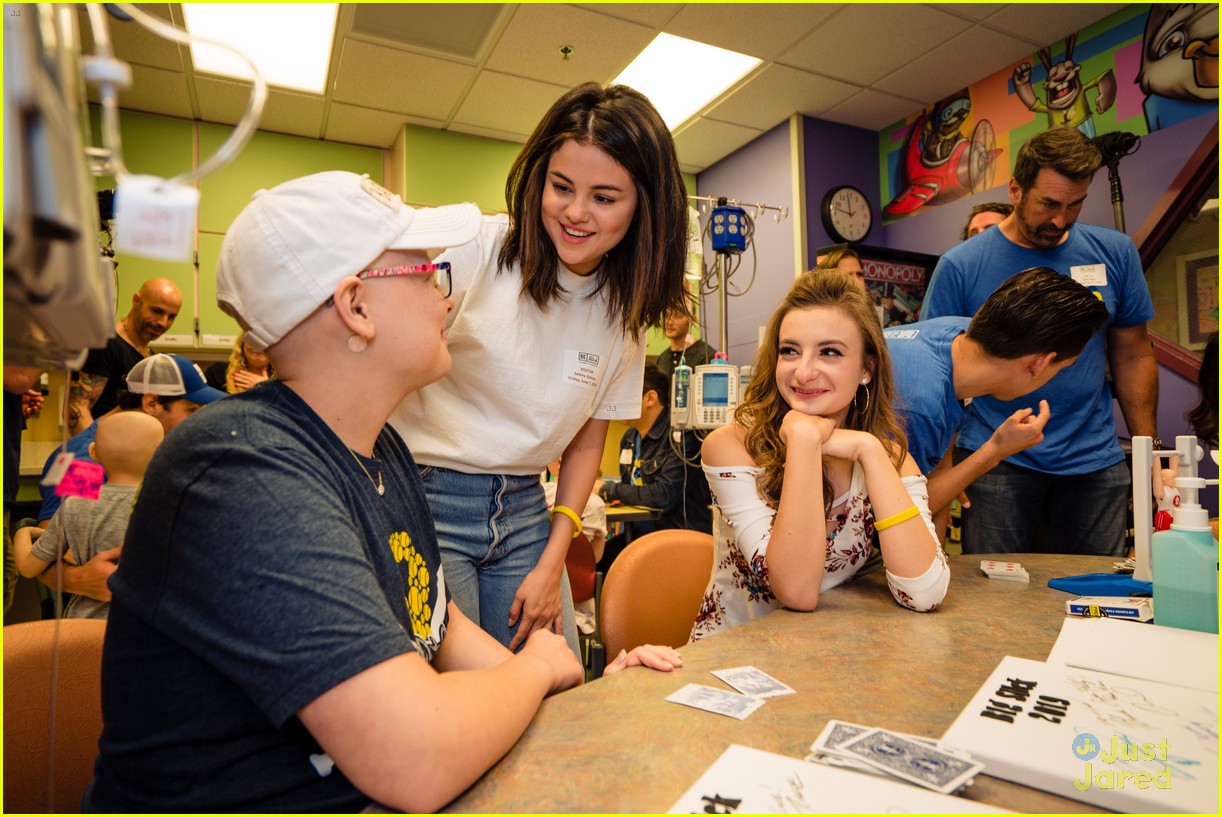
(902, 516)
(571, 514)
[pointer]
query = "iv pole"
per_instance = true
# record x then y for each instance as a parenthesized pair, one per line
(721, 261)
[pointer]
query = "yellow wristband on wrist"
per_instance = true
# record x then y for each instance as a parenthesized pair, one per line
(895, 519)
(571, 514)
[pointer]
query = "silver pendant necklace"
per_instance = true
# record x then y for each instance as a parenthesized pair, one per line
(378, 486)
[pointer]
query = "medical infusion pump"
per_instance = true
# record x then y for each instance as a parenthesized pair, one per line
(704, 397)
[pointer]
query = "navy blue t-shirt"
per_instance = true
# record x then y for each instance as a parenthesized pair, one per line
(261, 569)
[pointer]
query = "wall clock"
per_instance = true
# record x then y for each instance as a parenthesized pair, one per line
(846, 213)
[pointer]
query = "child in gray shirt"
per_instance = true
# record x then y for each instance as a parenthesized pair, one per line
(124, 445)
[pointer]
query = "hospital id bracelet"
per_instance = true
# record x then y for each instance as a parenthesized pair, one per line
(902, 516)
(571, 514)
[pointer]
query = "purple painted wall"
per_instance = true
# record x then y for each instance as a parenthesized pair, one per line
(759, 172)
(837, 154)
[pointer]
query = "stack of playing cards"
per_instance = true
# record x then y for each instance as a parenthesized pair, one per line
(755, 685)
(923, 761)
(1006, 571)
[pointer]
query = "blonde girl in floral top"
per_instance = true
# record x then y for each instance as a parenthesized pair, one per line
(814, 464)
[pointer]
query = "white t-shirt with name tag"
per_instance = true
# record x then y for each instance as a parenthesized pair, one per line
(524, 381)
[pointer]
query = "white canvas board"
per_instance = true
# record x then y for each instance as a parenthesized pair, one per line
(1118, 743)
(750, 781)
(1167, 655)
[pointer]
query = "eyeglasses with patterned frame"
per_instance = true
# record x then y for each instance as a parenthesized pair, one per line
(440, 272)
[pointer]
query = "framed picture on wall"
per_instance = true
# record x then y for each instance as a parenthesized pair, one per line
(1197, 279)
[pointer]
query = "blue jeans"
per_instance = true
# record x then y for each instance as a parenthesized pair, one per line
(1082, 513)
(491, 529)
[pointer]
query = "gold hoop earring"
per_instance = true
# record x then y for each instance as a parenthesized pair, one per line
(867, 391)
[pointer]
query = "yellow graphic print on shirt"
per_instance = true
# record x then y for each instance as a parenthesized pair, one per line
(417, 599)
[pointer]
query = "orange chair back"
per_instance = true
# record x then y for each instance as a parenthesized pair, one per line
(653, 590)
(581, 568)
(78, 716)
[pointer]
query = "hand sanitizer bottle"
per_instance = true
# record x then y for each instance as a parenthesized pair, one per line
(1185, 562)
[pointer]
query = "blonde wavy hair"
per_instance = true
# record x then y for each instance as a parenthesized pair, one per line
(763, 408)
(238, 361)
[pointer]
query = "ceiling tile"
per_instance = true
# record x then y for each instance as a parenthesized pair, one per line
(707, 141)
(456, 30)
(864, 43)
(510, 104)
(135, 43)
(778, 91)
(530, 45)
(362, 126)
(490, 133)
(940, 72)
(285, 112)
(1045, 23)
(653, 15)
(975, 11)
(155, 90)
(872, 110)
(388, 79)
(762, 30)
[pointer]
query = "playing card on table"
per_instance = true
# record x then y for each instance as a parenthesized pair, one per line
(753, 682)
(719, 701)
(1006, 571)
(840, 732)
(912, 760)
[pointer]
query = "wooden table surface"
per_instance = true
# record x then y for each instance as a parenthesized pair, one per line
(616, 745)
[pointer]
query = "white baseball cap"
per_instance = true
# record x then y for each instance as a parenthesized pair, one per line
(171, 376)
(288, 249)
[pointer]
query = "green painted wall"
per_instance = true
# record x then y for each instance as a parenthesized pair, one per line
(442, 167)
(267, 160)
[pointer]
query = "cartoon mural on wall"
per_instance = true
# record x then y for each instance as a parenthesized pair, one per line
(1179, 62)
(1064, 90)
(940, 162)
(1144, 68)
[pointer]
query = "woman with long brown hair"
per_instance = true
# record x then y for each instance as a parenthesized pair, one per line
(814, 464)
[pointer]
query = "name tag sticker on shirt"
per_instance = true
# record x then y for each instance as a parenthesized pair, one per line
(56, 472)
(83, 479)
(583, 369)
(1090, 275)
(625, 456)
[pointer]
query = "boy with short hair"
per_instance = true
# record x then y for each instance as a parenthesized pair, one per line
(124, 444)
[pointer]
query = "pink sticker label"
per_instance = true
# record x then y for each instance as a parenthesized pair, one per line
(83, 479)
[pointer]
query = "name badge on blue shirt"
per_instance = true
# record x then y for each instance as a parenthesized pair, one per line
(1090, 275)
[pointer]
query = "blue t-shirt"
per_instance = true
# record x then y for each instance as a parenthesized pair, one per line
(261, 569)
(78, 447)
(925, 385)
(1081, 435)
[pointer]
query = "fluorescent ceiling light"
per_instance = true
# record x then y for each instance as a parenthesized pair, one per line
(289, 42)
(682, 76)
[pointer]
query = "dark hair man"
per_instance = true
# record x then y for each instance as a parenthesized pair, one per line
(657, 471)
(984, 216)
(1032, 327)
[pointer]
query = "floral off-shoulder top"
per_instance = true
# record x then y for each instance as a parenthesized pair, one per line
(739, 590)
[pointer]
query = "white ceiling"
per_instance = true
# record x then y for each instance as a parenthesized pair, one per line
(493, 69)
